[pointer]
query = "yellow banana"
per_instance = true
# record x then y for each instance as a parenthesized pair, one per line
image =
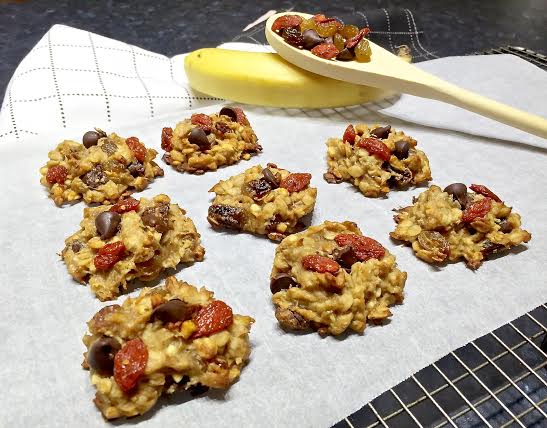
(266, 79)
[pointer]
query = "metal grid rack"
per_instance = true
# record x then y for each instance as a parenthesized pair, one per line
(498, 380)
(529, 55)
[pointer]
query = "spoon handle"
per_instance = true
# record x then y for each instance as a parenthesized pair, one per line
(452, 94)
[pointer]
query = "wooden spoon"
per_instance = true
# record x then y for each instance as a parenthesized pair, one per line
(387, 71)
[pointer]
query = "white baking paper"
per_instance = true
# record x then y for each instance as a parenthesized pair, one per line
(291, 380)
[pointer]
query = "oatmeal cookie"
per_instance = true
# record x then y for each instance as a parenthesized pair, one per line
(331, 278)
(206, 142)
(101, 170)
(375, 159)
(266, 201)
(454, 223)
(130, 240)
(168, 338)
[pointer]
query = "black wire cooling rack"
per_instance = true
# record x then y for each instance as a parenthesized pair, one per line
(497, 380)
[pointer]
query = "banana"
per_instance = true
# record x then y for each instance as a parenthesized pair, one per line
(266, 79)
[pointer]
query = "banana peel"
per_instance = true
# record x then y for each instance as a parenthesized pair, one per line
(265, 79)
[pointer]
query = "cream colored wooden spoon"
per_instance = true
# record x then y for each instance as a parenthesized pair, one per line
(387, 71)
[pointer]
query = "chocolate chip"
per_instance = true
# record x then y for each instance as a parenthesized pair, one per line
(225, 216)
(230, 112)
(291, 320)
(505, 226)
(222, 128)
(346, 256)
(345, 55)
(109, 147)
(90, 138)
(381, 132)
(282, 281)
(458, 191)
(311, 39)
(76, 246)
(198, 389)
(101, 354)
(402, 148)
(400, 177)
(136, 169)
(157, 217)
(329, 40)
(491, 248)
(198, 137)
(270, 177)
(107, 224)
(172, 311)
(95, 177)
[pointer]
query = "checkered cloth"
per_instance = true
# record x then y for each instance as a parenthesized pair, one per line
(75, 80)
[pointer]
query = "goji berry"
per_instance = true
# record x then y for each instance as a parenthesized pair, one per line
(137, 148)
(214, 317)
(166, 136)
(325, 51)
(241, 118)
(349, 135)
(320, 264)
(56, 174)
(203, 121)
(319, 18)
(485, 191)
(129, 364)
(351, 43)
(286, 21)
(125, 205)
(296, 182)
(476, 210)
(375, 147)
(365, 248)
(109, 255)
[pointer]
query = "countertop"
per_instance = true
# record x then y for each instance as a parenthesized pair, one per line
(451, 27)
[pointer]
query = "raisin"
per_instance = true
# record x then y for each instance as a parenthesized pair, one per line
(325, 50)
(109, 147)
(353, 41)
(109, 255)
(435, 244)
(136, 147)
(136, 169)
(129, 364)
(375, 147)
(476, 210)
(326, 28)
(222, 128)
(349, 135)
(349, 31)
(320, 264)
(362, 51)
(225, 216)
(56, 174)
(485, 191)
(101, 320)
(95, 177)
(125, 205)
(157, 217)
(308, 24)
(365, 248)
(286, 21)
(338, 41)
(214, 317)
(293, 37)
(296, 182)
(166, 136)
(257, 189)
(203, 121)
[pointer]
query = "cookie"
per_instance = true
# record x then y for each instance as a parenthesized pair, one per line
(331, 278)
(457, 224)
(376, 159)
(102, 170)
(169, 338)
(207, 142)
(130, 240)
(267, 201)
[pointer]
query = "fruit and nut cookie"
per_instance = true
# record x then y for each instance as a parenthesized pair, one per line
(168, 338)
(130, 240)
(206, 142)
(454, 223)
(101, 170)
(267, 201)
(331, 278)
(375, 159)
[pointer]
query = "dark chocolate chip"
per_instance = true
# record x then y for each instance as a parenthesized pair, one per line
(505, 226)
(90, 138)
(107, 224)
(136, 169)
(281, 281)
(230, 112)
(95, 177)
(291, 320)
(346, 256)
(329, 40)
(101, 354)
(172, 311)
(458, 191)
(270, 177)
(311, 39)
(402, 148)
(345, 55)
(198, 137)
(400, 178)
(381, 132)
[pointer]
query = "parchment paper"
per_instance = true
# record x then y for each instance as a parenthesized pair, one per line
(291, 380)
